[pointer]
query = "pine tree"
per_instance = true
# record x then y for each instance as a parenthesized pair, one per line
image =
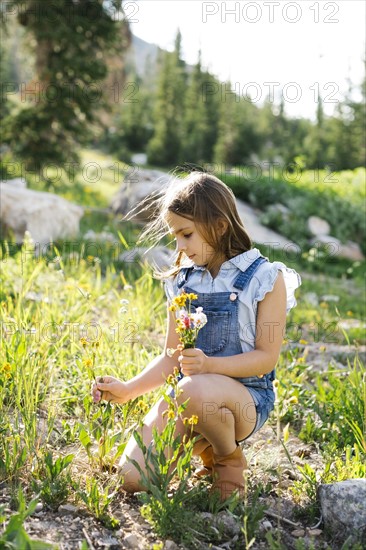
(165, 147)
(72, 41)
(196, 125)
(347, 135)
(132, 124)
(237, 138)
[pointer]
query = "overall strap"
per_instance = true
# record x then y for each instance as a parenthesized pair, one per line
(183, 276)
(245, 277)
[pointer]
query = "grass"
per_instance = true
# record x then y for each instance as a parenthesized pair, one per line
(337, 197)
(73, 314)
(48, 307)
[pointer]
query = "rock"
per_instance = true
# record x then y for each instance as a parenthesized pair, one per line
(343, 505)
(207, 516)
(261, 234)
(67, 509)
(140, 185)
(267, 525)
(139, 158)
(318, 226)
(132, 541)
(108, 542)
(330, 298)
(298, 533)
(352, 251)
(159, 256)
(314, 532)
(229, 523)
(90, 235)
(38, 508)
(311, 298)
(17, 182)
(45, 216)
(170, 545)
(334, 247)
(281, 208)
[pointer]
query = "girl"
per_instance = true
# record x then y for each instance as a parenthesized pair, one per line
(228, 377)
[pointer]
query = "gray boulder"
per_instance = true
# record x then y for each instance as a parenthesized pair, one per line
(17, 182)
(261, 234)
(334, 247)
(140, 186)
(47, 217)
(317, 226)
(343, 506)
(159, 256)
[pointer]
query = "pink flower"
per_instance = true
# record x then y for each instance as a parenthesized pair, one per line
(97, 396)
(187, 322)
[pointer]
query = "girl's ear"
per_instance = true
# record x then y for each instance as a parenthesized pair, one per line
(221, 226)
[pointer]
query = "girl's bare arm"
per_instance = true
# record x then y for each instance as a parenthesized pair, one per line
(153, 375)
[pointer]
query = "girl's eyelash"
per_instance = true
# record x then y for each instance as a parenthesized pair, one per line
(187, 236)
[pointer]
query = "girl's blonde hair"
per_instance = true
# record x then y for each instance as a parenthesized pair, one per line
(204, 199)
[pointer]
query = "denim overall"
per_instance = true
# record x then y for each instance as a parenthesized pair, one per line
(220, 336)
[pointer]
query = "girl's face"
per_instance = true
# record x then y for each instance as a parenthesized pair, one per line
(189, 240)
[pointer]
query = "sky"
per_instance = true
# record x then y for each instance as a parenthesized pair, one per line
(298, 49)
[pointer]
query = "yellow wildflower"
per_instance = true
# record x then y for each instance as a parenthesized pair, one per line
(303, 342)
(170, 379)
(176, 371)
(88, 363)
(172, 308)
(83, 342)
(186, 421)
(6, 367)
(142, 406)
(322, 348)
(192, 296)
(193, 420)
(293, 400)
(179, 301)
(349, 313)
(171, 414)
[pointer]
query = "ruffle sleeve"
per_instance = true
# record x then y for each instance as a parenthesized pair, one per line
(267, 278)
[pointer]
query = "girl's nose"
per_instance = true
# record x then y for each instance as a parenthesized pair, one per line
(181, 246)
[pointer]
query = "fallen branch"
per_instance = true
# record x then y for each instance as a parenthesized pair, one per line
(88, 539)
(285, 520)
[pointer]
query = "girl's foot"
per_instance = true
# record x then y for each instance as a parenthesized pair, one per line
(228, 474)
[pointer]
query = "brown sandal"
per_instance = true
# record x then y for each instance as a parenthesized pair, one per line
(228, 474)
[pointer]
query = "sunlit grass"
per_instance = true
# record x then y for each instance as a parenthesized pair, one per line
(72, 309)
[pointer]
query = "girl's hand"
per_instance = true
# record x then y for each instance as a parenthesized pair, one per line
(110, 389)
(193, 361)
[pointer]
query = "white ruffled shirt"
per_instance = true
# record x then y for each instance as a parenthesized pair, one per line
(262, 282)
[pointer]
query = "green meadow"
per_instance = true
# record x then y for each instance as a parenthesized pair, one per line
(68, 315)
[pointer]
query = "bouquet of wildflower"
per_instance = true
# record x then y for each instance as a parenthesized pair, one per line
(188, 323)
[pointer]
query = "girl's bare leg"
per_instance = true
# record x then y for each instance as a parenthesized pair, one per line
(130, 475)
(225, 409)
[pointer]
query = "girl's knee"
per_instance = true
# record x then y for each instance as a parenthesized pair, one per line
(192, 389)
